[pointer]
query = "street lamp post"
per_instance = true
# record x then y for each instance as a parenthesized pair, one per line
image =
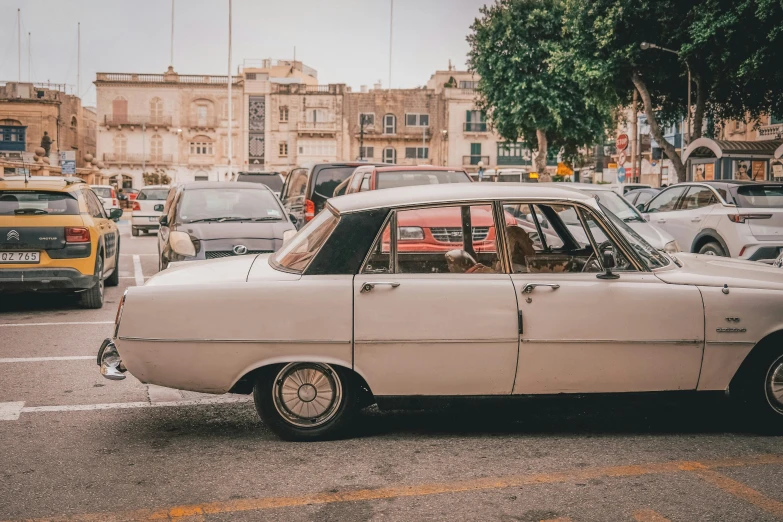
(646, 46)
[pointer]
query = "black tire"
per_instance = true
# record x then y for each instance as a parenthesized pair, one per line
(134, 232)
(759, 390)
(712, 248)
(114, 278)
(93, 297)
(279, 415)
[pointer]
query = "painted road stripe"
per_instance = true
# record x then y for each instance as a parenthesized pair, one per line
(738, 489)
(137, 270)
(648, 515)
(45, 359)
(12, 410)
(55, 324)
(411, 490)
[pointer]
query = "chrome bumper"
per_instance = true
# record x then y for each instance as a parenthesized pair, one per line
(110, 362)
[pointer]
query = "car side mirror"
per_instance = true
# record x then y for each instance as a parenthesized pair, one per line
(164, 220)
(115, 214)
(640, 207)
(608, 262)
(292, 218)
(158, 208)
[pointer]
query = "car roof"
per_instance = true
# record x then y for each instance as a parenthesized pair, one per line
(52, 183)
(110, 186)
(407, 168)
(155, 187)
(222, 185)
(453, 192)
(591, 186)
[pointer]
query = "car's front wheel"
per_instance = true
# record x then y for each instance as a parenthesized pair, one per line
(712, 249)
(761, 389)
(305, 401)
(134, 232)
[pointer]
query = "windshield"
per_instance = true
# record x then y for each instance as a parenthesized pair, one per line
(273, 181)
(408, 178)
(760, 196)
(301, 249)
(328, 178)
(652, 257)
(153, 194)
(104, 192)
(224, 204)
(617, 205)
(35, 202)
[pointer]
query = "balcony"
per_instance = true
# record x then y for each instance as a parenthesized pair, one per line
(111, 158)
(476, 126)
(301, 88)
(136, 120)
(474, 159)
(316, 127)
(170, 77)
(771, 131)
(201, 124)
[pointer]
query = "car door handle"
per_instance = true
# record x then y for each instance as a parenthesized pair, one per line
(661, 221)
(529, 287)
(695, 220)
(366, 287)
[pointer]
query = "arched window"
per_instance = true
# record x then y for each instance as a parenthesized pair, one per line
(389, 155)
(202, 113)
(119, 109)
(73, 121)
(156, 148)
(120, 147)
(156, 111)
(9, 122)
(201, 146)
(389, 124)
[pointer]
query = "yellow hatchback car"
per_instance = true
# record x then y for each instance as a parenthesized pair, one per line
(56, 236)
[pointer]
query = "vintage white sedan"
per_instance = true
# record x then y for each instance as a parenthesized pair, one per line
(459, 290)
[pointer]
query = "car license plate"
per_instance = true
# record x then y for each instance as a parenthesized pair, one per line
(154, 218)
(20, 257)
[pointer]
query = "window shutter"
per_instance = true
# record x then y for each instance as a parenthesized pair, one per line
(475, 149)
(467, 116)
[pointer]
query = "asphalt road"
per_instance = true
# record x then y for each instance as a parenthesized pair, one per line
(82, 448)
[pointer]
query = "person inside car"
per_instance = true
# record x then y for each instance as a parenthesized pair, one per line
(460, 262)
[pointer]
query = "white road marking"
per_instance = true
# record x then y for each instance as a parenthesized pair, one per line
(162, 394)
(56, 324)
(137, 270)
(45, 359)
(11, 410)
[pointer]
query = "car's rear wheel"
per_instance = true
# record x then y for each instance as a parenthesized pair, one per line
(114, 278)
(93, 297)
(712, 249)
(760, 390)
(134, 232)
(305, 401)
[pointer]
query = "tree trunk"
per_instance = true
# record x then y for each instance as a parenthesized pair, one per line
(698, 115)
(543, 176)
(668, 148)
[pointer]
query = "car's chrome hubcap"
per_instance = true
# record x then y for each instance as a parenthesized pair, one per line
(710, 253)
(774, 385)
(307, 394)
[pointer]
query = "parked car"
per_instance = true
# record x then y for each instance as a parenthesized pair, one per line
(625, 188)
(273, 180)
(56, 236)
(308, 187)
(338, 318)
(144, 216)
(210, 220)
(128, 194)
(639, 197)
(107, 195)
(613, 202)
(741, 219)
(374, 177)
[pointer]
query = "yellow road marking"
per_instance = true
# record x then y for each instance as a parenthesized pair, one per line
(648, 515)
(740, 490)
(561, 519)
(481, 484)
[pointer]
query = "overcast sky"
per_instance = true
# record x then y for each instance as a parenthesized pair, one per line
(346, 41)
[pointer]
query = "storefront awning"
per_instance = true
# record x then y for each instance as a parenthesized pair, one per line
(709, 148)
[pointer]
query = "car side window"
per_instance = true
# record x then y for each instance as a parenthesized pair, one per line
(643, 198)
(169, 199)
(298, 183)
(365, 183)
(380, 260)
(697, 197)
(94, 205)
(666, 201)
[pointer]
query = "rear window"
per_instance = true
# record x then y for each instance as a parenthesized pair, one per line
(302, 248)
(37, 202)
(327, 179)
(153, 194)
(419, 177)
(760, 196)
(273, 181)
(104, 192)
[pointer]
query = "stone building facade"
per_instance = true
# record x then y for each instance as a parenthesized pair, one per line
(28, 110)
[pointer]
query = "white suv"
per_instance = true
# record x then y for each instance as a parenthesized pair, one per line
(145, 216)
(740, 219)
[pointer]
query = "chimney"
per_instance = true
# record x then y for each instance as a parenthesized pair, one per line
(363, 89)
(378, 86)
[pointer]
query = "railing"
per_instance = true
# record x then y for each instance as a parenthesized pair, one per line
(474, 159)
(301, 88)
(165, 78)
(138, 159)
(474, 126)
(114, 120)
(771, 130)
(317, 126)
(202, 123)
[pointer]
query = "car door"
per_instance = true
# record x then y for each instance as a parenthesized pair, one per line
(435, 314)
(109, 233)
(692, 210)
(582, 332)
(661, 210)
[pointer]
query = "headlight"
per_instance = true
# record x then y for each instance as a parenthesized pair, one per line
(410, 233)
(181, 244)
(288, 234)
(671, 247)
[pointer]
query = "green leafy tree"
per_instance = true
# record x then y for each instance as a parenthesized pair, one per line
(522, 91)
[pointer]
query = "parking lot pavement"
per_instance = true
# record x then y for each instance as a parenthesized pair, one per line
(76, 447)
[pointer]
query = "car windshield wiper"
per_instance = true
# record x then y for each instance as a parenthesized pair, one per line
(30, 211)
(202, 220)
(633, 219)
(266, 218)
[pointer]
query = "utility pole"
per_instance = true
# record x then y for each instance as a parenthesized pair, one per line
(29, 57)
(143, 149)
(362, 119)
(171, 58)
(19, 40)
(423, 140)
(391, 28)
(230, 110)
(634, 132)
(79, 59)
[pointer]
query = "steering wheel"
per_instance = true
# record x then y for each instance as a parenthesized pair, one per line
(593, 259)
